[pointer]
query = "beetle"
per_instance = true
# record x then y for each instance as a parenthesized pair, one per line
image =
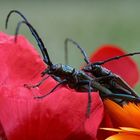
(102, 74)
(75, 79)
(65, 74)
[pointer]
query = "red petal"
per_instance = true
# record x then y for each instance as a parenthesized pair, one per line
(2, 133)
(61, 115)
(3, 37)
(125, 67)
(58, 116)
(106, 123)
(20, 63)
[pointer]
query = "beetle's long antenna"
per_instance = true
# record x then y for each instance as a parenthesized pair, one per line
(34, 33)
(8, 16)
(38, 39)
(20, 14)
(78, 46)
(115, 58)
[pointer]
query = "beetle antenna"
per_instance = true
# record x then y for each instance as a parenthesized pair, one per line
(9, 14)
(78, 46)
(115, 58)
(38, 39)
(24, 18)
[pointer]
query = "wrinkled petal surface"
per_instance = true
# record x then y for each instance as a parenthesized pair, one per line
(61, 115)
(125, 67)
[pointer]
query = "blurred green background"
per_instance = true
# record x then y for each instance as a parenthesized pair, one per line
(91, 23)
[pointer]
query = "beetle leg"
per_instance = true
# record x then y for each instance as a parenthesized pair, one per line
(87, 82)
(36, 85)
(123, 84)
(89, 100)
(124, 97)
(119, 87)
(117, 82)
(52, 90)
(102, 78)
(74, 75)
(58, 79)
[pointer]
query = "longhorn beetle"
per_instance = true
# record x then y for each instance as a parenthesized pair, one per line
(64, 74)
(103, 75)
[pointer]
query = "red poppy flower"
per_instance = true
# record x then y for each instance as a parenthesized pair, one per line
(59, 116)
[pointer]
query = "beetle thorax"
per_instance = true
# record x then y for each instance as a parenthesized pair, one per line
(99, 71)
(60, 70)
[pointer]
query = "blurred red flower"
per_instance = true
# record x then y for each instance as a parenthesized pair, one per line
(59, 116)
(125, 67)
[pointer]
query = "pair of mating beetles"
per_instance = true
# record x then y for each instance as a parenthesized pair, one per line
(93, 77)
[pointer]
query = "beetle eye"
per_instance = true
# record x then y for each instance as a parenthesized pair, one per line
(87, 68)
(53, 67)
